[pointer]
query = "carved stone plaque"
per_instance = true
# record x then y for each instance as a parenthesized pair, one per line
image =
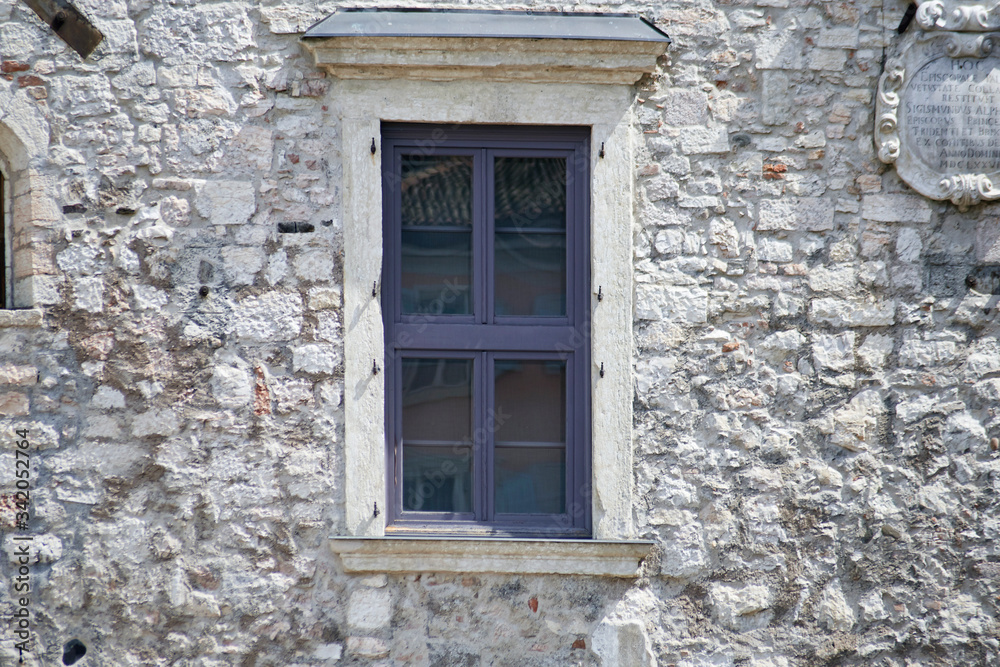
(938, 107)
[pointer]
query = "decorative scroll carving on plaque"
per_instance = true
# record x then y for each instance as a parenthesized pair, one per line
(957, 17)
(938, 105)
(965, 190)
(887, 137)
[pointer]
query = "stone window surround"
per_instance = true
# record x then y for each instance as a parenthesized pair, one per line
(357, 106)
(28, 212)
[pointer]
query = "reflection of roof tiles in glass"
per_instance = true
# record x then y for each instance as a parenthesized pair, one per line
(530, 192)
(484, 23)
(437, 191)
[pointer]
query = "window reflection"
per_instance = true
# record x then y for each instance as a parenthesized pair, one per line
(529, 215)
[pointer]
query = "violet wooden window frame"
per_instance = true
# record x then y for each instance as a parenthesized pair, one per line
(484, 336)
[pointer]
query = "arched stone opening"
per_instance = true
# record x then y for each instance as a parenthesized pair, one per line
(29, 214)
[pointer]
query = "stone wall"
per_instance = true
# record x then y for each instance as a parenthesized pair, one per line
(816, 382)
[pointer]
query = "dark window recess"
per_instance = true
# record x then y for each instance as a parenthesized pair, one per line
(3, 243)
(486, 304)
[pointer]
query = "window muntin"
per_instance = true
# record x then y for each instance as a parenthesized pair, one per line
(506, 329)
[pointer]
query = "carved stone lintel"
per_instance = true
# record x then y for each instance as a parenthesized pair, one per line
(954, 16)
(965, 190)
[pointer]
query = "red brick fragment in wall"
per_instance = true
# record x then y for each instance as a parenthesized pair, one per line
(261, 394)
(730, 347)
(9, 66)
(774, 172)
(29, 80)
(533, 604)
(580, 643)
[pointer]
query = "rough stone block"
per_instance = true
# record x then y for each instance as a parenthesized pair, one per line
(290, 19)
(684, 106)
(908, 245)
(834, 352)
(367, 647)
(292, 394)
(662, 187)
(874, 351)
(241, 264)
(155, 422)
(927, 352)
(833, 612)
(370, 609)
(780, 49)
(697, 140)
(321, 298)
(895, 208)
(838, 38)
(45, 548)
(315, 358)
(813, 214)
(837, 280)
(773, 250)
(844, 313)
(272, 316)
(225, 202)
(84, 95)
(623, 644)
(741, 608)
(14, 404)
(231, 385)
(314, 265)
(18, 375)
(108, 398)
(201, 32)
(827, 59)
(89, 294)
(658, 302)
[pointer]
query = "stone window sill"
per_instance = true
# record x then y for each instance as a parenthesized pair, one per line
(490, 555)
(30, 317)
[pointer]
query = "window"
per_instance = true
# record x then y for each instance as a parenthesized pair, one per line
(4, 241)
(477, 88)
(486, 301)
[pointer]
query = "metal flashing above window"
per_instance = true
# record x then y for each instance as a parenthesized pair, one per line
(443, 45)
(484, 23)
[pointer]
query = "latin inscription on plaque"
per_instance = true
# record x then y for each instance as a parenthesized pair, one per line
(950, 116)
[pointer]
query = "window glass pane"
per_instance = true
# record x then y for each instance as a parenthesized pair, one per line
(436, 190)
(437, 479)
(436, 273)
(530, 274)
(530, 480)
(530, 192)
(530, 401)
(437, 400)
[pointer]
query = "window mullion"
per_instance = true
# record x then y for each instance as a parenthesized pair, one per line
(489, 271)
(484, 436)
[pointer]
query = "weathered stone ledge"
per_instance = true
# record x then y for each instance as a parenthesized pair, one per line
(490, 555)
(31, 317)
(457, 58)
